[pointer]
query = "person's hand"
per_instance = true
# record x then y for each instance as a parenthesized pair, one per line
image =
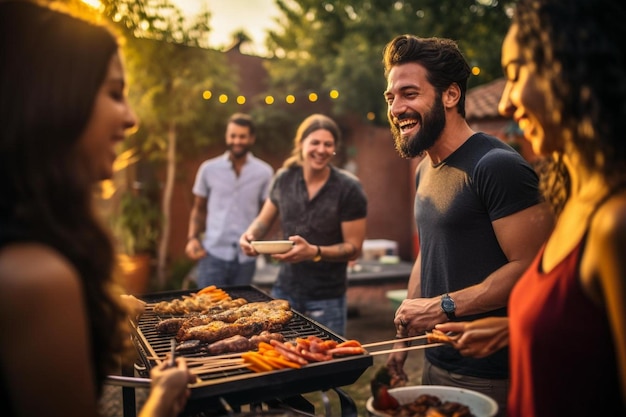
(169, 391)
(194, 249)
(134, 305)
(478, 338)
(302, 250)
(395, 366)
(418, 315)
(246, 247)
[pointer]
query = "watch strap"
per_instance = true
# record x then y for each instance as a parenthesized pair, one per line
(318, 256)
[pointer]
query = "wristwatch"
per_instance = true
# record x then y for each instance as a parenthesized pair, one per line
(318, 256)
(448, 306)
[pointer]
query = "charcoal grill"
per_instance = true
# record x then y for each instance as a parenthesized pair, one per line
(239, 387)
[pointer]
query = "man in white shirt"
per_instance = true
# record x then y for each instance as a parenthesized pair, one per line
(229, 191)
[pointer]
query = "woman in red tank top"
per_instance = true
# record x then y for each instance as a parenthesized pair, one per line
(566, 330)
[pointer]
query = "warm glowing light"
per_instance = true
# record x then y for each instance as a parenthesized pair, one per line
(475, 70)
(93, 3)
(269, 100)
(371, 115)
(223, 98)
(312, 97)
(241, 99)
(334, 94)
(290, 99)
(207, 95)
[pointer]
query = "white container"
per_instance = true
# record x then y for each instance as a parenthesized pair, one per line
(270, 247)
(373, 249)
(479, 404)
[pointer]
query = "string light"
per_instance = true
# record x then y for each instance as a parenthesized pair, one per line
(269, 99)
(289, 99)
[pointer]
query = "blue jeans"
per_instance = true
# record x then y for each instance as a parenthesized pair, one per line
(331, 312)
(218, 272)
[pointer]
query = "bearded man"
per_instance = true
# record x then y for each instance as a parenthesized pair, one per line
(229, 191)
(480, 217)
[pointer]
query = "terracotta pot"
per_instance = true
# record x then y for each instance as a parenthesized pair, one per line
(135, 271)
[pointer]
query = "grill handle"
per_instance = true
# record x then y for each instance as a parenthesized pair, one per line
(128, 381)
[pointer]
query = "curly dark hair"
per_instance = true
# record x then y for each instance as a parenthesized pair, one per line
(578, 46)
(441, 57)
(53, 65)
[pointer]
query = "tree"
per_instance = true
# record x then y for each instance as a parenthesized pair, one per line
(338, 44)
(168, 72)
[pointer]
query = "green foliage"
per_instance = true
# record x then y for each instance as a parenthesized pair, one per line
(137, 224)
(338, 44)
(276, 127)
(168, 70)
(168, 81)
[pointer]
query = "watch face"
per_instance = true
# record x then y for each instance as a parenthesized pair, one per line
(447, 304)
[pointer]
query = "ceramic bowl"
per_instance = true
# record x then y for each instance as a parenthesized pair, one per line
(271, 247)
(479, 404)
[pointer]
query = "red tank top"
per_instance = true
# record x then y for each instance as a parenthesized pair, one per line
(562, 358)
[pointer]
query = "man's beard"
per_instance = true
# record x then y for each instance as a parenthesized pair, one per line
(429, 131)
(240, 152)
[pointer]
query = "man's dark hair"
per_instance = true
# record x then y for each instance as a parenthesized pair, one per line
(245, 120)
(441, 57)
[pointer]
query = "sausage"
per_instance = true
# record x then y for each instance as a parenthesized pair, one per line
(288, 353)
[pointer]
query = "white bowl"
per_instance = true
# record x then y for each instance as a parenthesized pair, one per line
(272, 246)
(479, 404)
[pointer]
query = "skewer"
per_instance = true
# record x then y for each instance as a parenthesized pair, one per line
(426, 346)
(211, 359)
(203, 370)
(200, 359)
(215, 363)
(388, 342)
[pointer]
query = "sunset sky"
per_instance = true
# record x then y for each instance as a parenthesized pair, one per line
(228, 16)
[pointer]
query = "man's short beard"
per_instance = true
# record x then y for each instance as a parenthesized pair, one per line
(430, 130)
(239, 154)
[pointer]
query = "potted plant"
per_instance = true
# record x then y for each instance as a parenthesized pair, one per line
(136, 228)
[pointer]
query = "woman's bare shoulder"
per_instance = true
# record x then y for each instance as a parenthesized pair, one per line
(609, 222)
(32, 272)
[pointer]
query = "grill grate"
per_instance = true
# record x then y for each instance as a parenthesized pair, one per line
(242, 386)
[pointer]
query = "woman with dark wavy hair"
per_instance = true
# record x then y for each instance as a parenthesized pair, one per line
(63, 108)
(565, 65)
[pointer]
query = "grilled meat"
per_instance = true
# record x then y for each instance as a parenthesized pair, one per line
(258, 321)
(233, 344)
(171, 325)
(196, 303)
(229, 315)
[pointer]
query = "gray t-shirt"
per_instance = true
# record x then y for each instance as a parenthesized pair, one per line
(318, 221)
(455, 203)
